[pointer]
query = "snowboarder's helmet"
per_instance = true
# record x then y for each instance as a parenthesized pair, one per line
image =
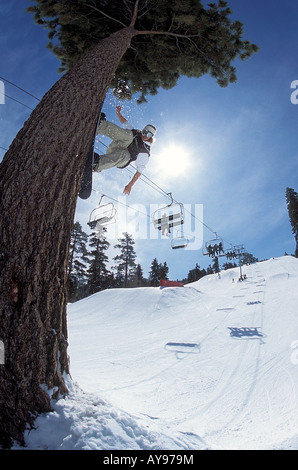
(149, 130)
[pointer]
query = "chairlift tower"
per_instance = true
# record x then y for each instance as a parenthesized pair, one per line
(239, 250)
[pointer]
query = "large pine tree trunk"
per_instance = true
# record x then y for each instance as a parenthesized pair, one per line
(39, 183)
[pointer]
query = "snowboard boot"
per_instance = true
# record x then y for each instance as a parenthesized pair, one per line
(101, 119)
(96, 159)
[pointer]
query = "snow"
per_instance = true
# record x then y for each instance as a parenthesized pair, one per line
(158, 369)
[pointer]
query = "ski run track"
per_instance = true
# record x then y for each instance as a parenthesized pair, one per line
(212, 365)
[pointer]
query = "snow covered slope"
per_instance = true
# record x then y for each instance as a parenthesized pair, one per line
(211, 365)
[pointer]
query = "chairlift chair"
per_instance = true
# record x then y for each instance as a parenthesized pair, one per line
(180, 241)
(102, 215)
(214, 247)
(168, 216)
(239, 250)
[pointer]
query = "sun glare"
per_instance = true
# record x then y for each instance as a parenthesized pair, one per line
(173, 160)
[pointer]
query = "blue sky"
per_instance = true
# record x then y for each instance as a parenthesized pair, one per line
(236, 147)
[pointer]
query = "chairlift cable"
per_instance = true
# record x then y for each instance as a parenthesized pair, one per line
(17, 101)
(22, 89)
(149, 181)
(123, 204)
(143, 177)
(157, 188)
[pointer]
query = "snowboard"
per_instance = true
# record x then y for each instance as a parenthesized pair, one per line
(86, 183)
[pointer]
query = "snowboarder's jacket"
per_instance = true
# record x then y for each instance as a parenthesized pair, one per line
(137, 146)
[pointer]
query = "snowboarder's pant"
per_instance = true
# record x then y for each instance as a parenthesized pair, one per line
(117, 153)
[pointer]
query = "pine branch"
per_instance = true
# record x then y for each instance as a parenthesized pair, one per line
(106, 15)
(167, 33)
(135, 14)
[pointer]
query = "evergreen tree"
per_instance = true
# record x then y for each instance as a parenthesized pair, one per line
(99, 276)
(215, 265)
(248, 258)
(139, 277)
(292, 204)
(126, 265)
(210, 270)
(158, 271)
(206, 39)
(142, 45)
(154, 274)
(163, 271)
(196, 274)
(229, 265)
(77, 261)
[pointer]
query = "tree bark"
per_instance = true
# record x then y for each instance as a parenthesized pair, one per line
(39, 183)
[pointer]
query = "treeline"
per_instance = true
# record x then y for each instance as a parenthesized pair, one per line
(292, 205)
(197, 273)
(88, 270)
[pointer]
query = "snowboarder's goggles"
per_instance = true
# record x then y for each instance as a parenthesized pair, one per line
(146, 133)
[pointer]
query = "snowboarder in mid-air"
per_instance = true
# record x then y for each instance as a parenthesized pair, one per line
(128, 145)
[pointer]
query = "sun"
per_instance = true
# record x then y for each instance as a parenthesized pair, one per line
(173, 160)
